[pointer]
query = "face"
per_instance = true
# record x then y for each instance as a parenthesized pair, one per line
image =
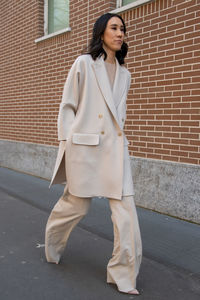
(113, 35)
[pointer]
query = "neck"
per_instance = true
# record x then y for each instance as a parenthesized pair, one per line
(110, 55)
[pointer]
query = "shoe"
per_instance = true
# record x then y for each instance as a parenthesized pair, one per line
(134, 292)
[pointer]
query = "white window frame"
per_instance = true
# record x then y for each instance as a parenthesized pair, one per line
(46, 22)
(121, 8)
(46, 34)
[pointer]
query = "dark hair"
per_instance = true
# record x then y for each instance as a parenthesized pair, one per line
(95, 48)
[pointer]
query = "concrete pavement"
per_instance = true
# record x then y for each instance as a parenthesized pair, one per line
(171, 262)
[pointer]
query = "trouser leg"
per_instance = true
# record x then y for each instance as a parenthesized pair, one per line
(124, 265)
(66, 214)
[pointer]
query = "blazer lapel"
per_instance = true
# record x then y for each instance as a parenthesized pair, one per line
(104, 85)
(120, 82)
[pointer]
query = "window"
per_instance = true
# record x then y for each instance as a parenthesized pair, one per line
(56, 15)
(56, 18)
(126, 4)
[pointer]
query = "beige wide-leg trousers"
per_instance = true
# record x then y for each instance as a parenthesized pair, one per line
(123, 267)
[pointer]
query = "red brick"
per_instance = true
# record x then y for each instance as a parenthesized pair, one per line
(194, 155)
(185, 30)
(190, 136)
(195, 104)
(154, 134)
(171, 123)
(190, 98)
(195, 117)
(190, 123)
(170, 158)
(195, 129)
(189, 148)
(195, 142)
(179, 153)
(180, 141)
(163, 117)
(188, 160)
(171, 134)
(146, 139)
(162, 140)
(180, 129)
(180, 117)
(162, 151)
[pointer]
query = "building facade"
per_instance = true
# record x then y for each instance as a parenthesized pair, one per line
(39, 42)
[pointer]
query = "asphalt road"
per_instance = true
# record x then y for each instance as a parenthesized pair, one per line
(171, 261)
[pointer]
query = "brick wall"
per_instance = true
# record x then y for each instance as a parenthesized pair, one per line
(164, 101)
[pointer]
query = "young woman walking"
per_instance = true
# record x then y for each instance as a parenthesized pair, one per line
(93, 156)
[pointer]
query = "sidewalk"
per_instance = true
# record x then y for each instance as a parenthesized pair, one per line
(171, 262)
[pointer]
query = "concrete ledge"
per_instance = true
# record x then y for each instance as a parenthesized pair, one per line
(166, 187)
(33, 159)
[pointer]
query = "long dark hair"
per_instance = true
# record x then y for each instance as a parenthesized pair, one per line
(95, 48)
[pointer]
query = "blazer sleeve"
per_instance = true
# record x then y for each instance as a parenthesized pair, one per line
(126, 142)
(129, 81)
(70, 101)
(128, 87)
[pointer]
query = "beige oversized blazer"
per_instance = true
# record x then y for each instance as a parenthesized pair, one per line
(93, 153)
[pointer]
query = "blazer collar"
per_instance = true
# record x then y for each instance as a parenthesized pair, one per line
(114, 97)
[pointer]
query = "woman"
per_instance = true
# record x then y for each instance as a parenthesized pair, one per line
(93, 154)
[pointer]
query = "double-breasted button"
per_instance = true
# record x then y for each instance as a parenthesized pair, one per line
(100, 116)
(102, 132)
(119, 134)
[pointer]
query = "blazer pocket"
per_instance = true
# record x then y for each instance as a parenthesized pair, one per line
(85, 139)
